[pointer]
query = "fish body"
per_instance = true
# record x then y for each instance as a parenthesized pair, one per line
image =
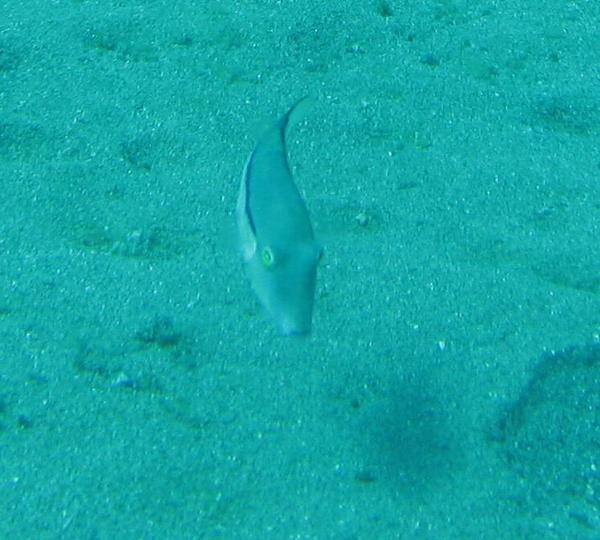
(276, 237)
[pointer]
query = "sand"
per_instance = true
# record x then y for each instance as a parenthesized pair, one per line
(451, 166)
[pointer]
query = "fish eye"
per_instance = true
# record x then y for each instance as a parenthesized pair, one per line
(267, 257)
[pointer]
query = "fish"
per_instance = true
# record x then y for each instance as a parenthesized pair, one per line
(276, 238)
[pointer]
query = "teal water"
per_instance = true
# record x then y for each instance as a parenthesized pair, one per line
(450, 162)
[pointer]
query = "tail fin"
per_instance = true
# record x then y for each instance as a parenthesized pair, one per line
(296, 113)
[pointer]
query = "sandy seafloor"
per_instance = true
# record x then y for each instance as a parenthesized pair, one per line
(451, 164)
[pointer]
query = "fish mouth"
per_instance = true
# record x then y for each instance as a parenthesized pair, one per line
(294, 329)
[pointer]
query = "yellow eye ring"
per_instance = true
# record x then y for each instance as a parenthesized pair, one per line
(267, 257)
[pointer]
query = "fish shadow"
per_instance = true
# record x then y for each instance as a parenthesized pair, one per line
(407, 439)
